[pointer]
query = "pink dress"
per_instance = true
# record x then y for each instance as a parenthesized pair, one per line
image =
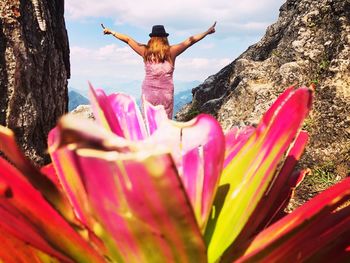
(158, 85)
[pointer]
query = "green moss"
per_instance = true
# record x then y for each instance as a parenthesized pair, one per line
(309, 124)
(321, 178)
(192, 112)
(324, 64)
(276, 53)
(320, 68)
(315, 81)
(311, 24)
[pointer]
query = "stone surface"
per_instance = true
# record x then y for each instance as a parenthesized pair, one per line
(310, 43)
(83, 112)
(34, 67)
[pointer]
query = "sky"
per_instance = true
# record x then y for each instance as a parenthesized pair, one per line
(111, 64)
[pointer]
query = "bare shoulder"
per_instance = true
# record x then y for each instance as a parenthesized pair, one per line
(173, 53)
(176, 49)
(176, 46)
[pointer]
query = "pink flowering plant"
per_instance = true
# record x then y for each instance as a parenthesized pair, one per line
(131, 189)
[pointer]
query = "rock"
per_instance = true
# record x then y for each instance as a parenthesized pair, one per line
(310, 43)
(34, 67)
(84, 112)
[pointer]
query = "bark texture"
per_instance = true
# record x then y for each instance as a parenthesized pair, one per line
(34, 68)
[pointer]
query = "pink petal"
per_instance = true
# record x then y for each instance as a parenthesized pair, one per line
(154, 116)
(142, 207)
(198, 150)
(118, 113)
(271, 112)
(103, 111)
(128, 115)
(234, 141)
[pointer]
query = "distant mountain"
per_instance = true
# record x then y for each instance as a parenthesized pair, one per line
(133, 88)
(183, 93)
(181, 98)
(76, 99)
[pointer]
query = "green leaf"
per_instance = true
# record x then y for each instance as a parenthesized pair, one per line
(246, 178)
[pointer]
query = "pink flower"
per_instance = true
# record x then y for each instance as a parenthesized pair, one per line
(128, 189)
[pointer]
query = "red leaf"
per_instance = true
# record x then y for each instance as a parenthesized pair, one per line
(47, 187)
(29, 217)
(316, 225)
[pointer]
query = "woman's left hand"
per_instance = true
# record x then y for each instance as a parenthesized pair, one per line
(211, 29)
(106, 31)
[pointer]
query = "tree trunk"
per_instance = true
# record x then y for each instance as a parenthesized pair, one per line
(34, 68)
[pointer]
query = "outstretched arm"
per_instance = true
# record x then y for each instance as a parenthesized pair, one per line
(137, 47)
(179, 48)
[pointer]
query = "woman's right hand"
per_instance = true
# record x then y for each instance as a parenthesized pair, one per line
(106, 31)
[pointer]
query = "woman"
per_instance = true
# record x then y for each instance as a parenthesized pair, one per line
(159, 58)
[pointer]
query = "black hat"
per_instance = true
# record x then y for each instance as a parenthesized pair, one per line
(158, 31)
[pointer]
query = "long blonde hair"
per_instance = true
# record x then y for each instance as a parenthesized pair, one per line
(157, 50)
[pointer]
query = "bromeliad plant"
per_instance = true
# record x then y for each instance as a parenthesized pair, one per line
(128, 189)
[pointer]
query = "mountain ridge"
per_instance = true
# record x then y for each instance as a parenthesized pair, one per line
(77, 100)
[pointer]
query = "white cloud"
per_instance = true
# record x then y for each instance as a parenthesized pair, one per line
(112, 65)
(179, 14)
(107, 66)
(188, 69)
(109, 58)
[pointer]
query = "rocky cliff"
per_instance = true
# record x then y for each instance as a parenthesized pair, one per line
(34, 67)
(310, 43)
